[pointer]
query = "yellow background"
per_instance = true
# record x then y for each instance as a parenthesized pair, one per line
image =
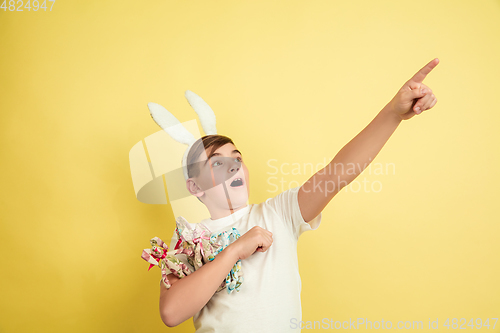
(288, 80)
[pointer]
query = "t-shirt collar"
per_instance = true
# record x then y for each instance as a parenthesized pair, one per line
(226, 220)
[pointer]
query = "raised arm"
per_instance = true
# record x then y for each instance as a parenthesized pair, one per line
(413, 98)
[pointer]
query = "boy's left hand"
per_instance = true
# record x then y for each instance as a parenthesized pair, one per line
(414, 97)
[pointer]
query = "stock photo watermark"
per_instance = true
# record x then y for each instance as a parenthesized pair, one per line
(27, 5)
(331, 176)
(364, 323)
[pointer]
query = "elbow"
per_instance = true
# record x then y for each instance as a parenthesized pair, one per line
(169, 323)
(172, 312)
(167, 313)
(169, 318)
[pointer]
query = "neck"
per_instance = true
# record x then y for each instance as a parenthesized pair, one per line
(217, 213)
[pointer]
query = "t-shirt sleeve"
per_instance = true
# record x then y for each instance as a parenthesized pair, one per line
(286, 205)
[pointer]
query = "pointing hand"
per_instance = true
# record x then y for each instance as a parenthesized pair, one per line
(414, 97)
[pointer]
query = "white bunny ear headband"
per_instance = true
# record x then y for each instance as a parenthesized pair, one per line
(177, 131)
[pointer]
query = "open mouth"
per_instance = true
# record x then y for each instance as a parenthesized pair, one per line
(237, 182)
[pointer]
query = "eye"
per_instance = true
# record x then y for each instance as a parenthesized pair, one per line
(214, 164)
(239, 159)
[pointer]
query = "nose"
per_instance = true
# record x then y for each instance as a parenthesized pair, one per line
(234, 166)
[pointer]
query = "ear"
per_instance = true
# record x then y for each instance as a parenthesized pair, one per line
(193, 188)
(170, 124)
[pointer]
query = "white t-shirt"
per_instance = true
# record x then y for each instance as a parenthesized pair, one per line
(269, 297)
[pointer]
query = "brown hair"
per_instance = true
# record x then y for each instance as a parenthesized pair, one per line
(213, 141)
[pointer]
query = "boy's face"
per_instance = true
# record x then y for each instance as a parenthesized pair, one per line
(217, 183)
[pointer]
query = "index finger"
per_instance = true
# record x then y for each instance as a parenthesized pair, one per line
(421, 74)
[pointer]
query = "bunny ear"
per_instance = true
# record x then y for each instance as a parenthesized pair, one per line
(170, 124)
(205, 113)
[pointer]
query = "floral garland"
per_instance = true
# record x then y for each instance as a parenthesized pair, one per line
(199, 250)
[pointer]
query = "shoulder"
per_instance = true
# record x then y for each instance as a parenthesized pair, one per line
(283, 199)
